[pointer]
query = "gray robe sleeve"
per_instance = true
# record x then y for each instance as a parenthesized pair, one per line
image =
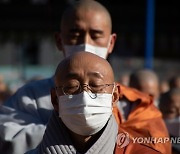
(19, 132)
(24, 116)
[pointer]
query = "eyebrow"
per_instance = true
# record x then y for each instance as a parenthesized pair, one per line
(77, 29)
(96, 31)
(73, 30)
(71, 75)
(96, 74)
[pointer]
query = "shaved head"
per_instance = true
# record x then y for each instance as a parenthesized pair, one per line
(143, 76)
(85, 5)
(170, 103)
(84, 63)
(174, 82)
(86, 22)
(84, 71)
(145, 81)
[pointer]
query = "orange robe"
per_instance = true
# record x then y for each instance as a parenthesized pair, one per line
(145, 120)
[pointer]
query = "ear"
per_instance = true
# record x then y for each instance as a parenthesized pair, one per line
(59, 41)
(112, 43)
(54, 100)
(115, 95)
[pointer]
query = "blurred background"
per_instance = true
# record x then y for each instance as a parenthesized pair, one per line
(27, 44)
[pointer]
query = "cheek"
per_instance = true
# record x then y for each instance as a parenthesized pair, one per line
(102, 42)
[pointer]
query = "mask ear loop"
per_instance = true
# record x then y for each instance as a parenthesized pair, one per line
(112, 93)
(113, 88)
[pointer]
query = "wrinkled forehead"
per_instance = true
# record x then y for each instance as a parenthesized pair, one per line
(85, 65)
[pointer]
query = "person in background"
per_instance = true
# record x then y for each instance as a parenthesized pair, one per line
(170, 108)
(146, 81)
(5, 93)
(83, 98)
(85, 26)
(35, 78)
(174, 82)
(124, 79)
(163, 86)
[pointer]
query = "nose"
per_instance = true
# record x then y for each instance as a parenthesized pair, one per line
(88, 89)
(88, 39)
(85, 87)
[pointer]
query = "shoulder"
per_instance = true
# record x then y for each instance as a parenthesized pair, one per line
(39, 84)
(35, 87)
(133, 95)
(34, 99)
(32, 91)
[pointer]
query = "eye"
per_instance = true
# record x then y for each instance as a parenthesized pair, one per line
(70, 87)
(96, 34)
(75, 35)
(96, 87)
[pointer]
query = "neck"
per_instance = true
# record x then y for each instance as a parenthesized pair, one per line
(83, 143)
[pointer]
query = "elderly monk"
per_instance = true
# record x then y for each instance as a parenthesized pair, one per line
(86, 119)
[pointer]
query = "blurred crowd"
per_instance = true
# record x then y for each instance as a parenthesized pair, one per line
(165, 93)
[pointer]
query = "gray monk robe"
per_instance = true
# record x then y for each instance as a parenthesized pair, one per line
(57, 141)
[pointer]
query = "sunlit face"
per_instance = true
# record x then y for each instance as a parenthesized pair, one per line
(93, 73)
(86, 27)
(81, 72)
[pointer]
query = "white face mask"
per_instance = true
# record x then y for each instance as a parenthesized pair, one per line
(100, 51)
(173, 126)
(83, 114)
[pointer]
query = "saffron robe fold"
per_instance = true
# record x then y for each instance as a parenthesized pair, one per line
(144, 120)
